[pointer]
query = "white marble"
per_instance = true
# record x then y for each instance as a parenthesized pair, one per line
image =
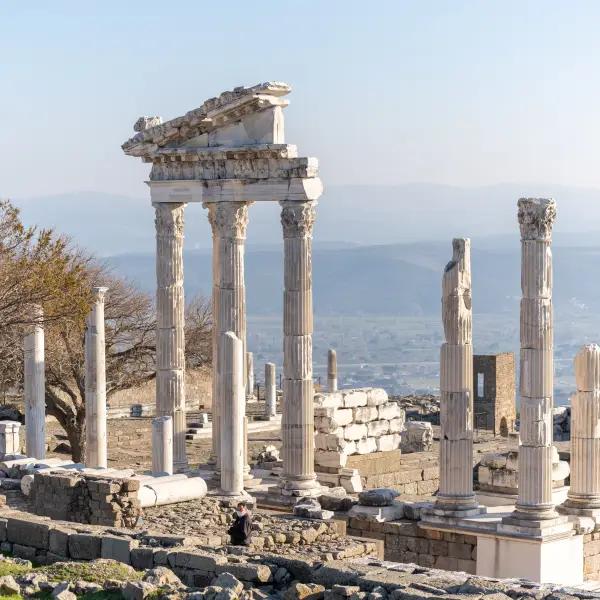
(332, 371)
(34, 388)
(162, 446)
(270, 390)
(96, 442)
(249, 374)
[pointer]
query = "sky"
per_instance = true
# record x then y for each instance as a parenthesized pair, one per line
(455, 92)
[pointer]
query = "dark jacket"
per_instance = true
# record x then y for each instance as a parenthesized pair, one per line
(241, 530)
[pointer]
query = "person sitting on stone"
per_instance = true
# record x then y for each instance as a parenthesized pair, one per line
(241, 530)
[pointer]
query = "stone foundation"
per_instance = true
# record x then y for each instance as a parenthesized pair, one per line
(89, 499)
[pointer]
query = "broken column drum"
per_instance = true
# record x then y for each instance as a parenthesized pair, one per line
(456, 385)
(297, 425)
(536, 218)
(162, 445)
(584, 491)
(96, 451)
(332, 371)
(229, 221)
(170, 307)
(232, 414)
(34, 387)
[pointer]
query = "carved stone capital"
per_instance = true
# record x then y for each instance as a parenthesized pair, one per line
(228, 219)
(298, 218)
(169, 218)
(536, 218)
(99, 293)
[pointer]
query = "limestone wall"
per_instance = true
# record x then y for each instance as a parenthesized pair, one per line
(591, 556)
(406, 542)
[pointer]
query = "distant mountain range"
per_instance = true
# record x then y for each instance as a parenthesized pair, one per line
(365, 215)
(369, 253)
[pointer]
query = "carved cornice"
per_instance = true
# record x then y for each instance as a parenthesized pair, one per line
(169, 219)
(228, 219)
(536, 218)
(298, 218)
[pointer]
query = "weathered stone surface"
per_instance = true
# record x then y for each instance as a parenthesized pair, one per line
(377, 497)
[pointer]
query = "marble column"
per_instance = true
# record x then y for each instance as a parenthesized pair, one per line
(584, 492)
(534, 502)
(232, 414)
(332, 378)
(270, 390)
(250, 374)
(170, 341)
(297, 426)
(96, 451)
(35, 388)
(456, 385)
(228, 221)
(162, 446)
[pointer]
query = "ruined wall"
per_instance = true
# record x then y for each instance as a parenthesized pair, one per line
(494, 409)
(591, 556)
(406, 542)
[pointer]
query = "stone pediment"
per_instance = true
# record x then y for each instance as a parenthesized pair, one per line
(238, 118)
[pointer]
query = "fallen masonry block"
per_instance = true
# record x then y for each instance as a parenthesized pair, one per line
(378, 514)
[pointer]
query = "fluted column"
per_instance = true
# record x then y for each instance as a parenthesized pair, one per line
(297, 426)
(332, 371)
(232, 414)
(456, 384)
(34, 392)
(228, 221)
(162, 446)
(250, 374)
(534, 502)
(270, 390)
(96, 452)
(170, 307)
(584, 493)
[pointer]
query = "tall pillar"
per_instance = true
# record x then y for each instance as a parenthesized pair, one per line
(534, 502)
(232, 414)
(270, 390)
(96, 452)
(297, 426)
(35, 388)
(170, 341)
(228, 221)
(456, 385)
(332, 377)
(250, 374)
(162, 446)
(584, 493)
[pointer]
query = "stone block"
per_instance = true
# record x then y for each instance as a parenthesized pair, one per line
(85, 546)
(378, 514)
(389, 411)
(386, 443)
(142, 558)
(20, 531)
(329, 441)
(58, 541)
(118, 548)
(3, 526)
(251, 572)
(354, 398)
(329, 400)
(396, 425)
(378, 428)
(366, 446)
(327, 420)
(22, 551)
(324, 458)
(365, 414)
(201, 561)
(355, 432)
(376, 397)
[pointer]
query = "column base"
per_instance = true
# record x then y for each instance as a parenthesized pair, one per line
(227, 500)
(298, 488)
(580, 508)
(450, 509)
(181, 467)
(537, 522)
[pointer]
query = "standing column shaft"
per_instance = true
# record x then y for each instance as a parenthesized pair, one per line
(170, 341)
(332, 378)
(232, 414)
(584, 492)
(250, 374)
(456, 384)
(297, 426)
(536, 217)
(162, 446)
(35, 389)
(228, 221)
(270, 390)
(96, 452)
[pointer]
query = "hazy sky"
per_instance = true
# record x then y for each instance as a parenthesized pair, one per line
(446, 91)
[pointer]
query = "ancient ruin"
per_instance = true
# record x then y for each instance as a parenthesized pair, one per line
(356, 495)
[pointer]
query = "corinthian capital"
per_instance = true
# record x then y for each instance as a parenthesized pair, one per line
(228, 219)
(298, 218)
(169, 218)
(536, 218)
